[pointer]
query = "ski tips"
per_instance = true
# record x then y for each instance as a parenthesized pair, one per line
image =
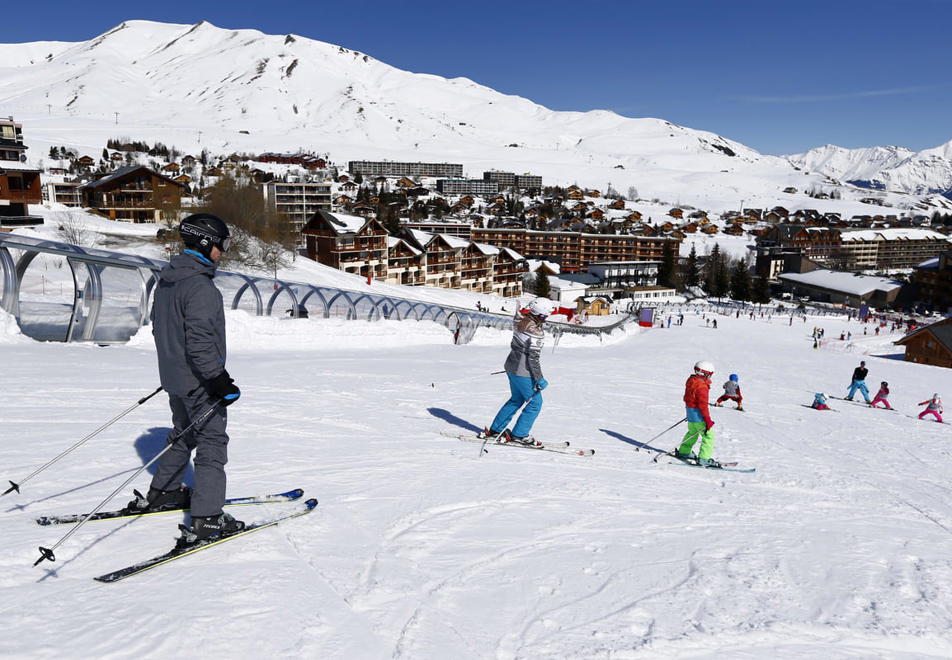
(45, 553)
(13, 487)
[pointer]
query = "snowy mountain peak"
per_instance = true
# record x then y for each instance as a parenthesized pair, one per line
(200, 86)
(890, 168)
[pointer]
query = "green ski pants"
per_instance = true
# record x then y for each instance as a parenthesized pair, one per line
(696, 430)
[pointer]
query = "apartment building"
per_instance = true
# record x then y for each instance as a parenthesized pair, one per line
(398, 168)
(298, 200)
(364, 247)
(574, 251)
(19, 184)
(467, 187)
(900, 247)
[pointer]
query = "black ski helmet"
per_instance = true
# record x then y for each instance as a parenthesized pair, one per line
(203, 231)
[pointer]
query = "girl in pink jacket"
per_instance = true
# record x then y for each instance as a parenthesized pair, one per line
(933, 406)
(881, 395)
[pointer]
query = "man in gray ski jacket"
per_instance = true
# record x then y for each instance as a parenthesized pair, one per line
(524, 369)
(188, 322)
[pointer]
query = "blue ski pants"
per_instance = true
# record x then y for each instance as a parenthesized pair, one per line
(861, 386)
(521, 391)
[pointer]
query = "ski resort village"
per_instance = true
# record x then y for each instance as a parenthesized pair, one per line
(312, 357)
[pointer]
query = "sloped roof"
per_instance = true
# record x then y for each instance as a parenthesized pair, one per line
(393, 240)
(344, 223)
(842, 282)
(941, 330)
(892, 234)
(123, 171)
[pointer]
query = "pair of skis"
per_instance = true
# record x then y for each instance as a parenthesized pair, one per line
(558, 447)
(730, 466)
(184, 549)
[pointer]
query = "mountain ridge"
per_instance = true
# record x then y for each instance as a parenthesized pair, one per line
(199, 86)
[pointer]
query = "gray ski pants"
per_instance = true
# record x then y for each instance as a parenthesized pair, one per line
(210, 443)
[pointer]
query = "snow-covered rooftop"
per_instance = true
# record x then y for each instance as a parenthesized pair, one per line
(849, 283)
(892, 234)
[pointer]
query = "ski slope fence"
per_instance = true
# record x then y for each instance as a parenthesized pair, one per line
(64, 292)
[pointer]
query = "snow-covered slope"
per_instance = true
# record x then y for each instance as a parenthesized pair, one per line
(890, 168)
(198, 86)
(837, 547)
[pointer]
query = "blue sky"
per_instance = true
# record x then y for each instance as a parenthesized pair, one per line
(781, 77)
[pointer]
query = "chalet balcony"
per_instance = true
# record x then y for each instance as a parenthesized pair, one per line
(20, 220)
(24, 197)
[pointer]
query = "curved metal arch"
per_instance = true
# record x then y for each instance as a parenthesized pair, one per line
(92, 296)
(315, 291)
(274, 296)
(250, 283)
(374, 309)
(396, 309)
(11, 283)
(351, 310)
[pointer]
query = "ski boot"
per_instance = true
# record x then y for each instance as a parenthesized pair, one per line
(160, 500)
(687, 458)
(210, 528)
(708, 463)
(525, 441)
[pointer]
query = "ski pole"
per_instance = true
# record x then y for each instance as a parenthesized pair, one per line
(648, 444)
(659, 455)
(482, 447)
(14, 486)
(47, 553)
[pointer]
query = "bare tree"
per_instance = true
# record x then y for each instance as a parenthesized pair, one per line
(73, 227)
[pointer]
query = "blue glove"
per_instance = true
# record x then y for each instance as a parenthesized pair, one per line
(223, 387)
(540, 384)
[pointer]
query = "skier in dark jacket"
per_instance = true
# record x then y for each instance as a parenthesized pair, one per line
(859, 382)
(188, 322)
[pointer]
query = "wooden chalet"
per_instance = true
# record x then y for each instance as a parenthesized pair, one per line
(347, 242)
(134, 194)
(509, 268)
(931, 344)
(406, 264)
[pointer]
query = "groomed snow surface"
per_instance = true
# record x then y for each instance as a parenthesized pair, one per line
(838, 546)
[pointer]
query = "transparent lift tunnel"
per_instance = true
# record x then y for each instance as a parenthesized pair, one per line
(63, 292)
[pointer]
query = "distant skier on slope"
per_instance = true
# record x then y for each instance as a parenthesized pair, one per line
(933, 407)
(881, 395)
(696, 392)
(819, 401)
(732, 392)
(859, 382)
(524, 369)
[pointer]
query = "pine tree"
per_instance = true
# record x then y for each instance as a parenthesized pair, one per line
(740, 284)
(668, 271)
(542, 287)
(761, 291)
(717, 277)
(692, 275)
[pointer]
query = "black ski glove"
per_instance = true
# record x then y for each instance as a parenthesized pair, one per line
(223, 387)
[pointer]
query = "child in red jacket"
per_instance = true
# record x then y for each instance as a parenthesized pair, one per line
(696, 392)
